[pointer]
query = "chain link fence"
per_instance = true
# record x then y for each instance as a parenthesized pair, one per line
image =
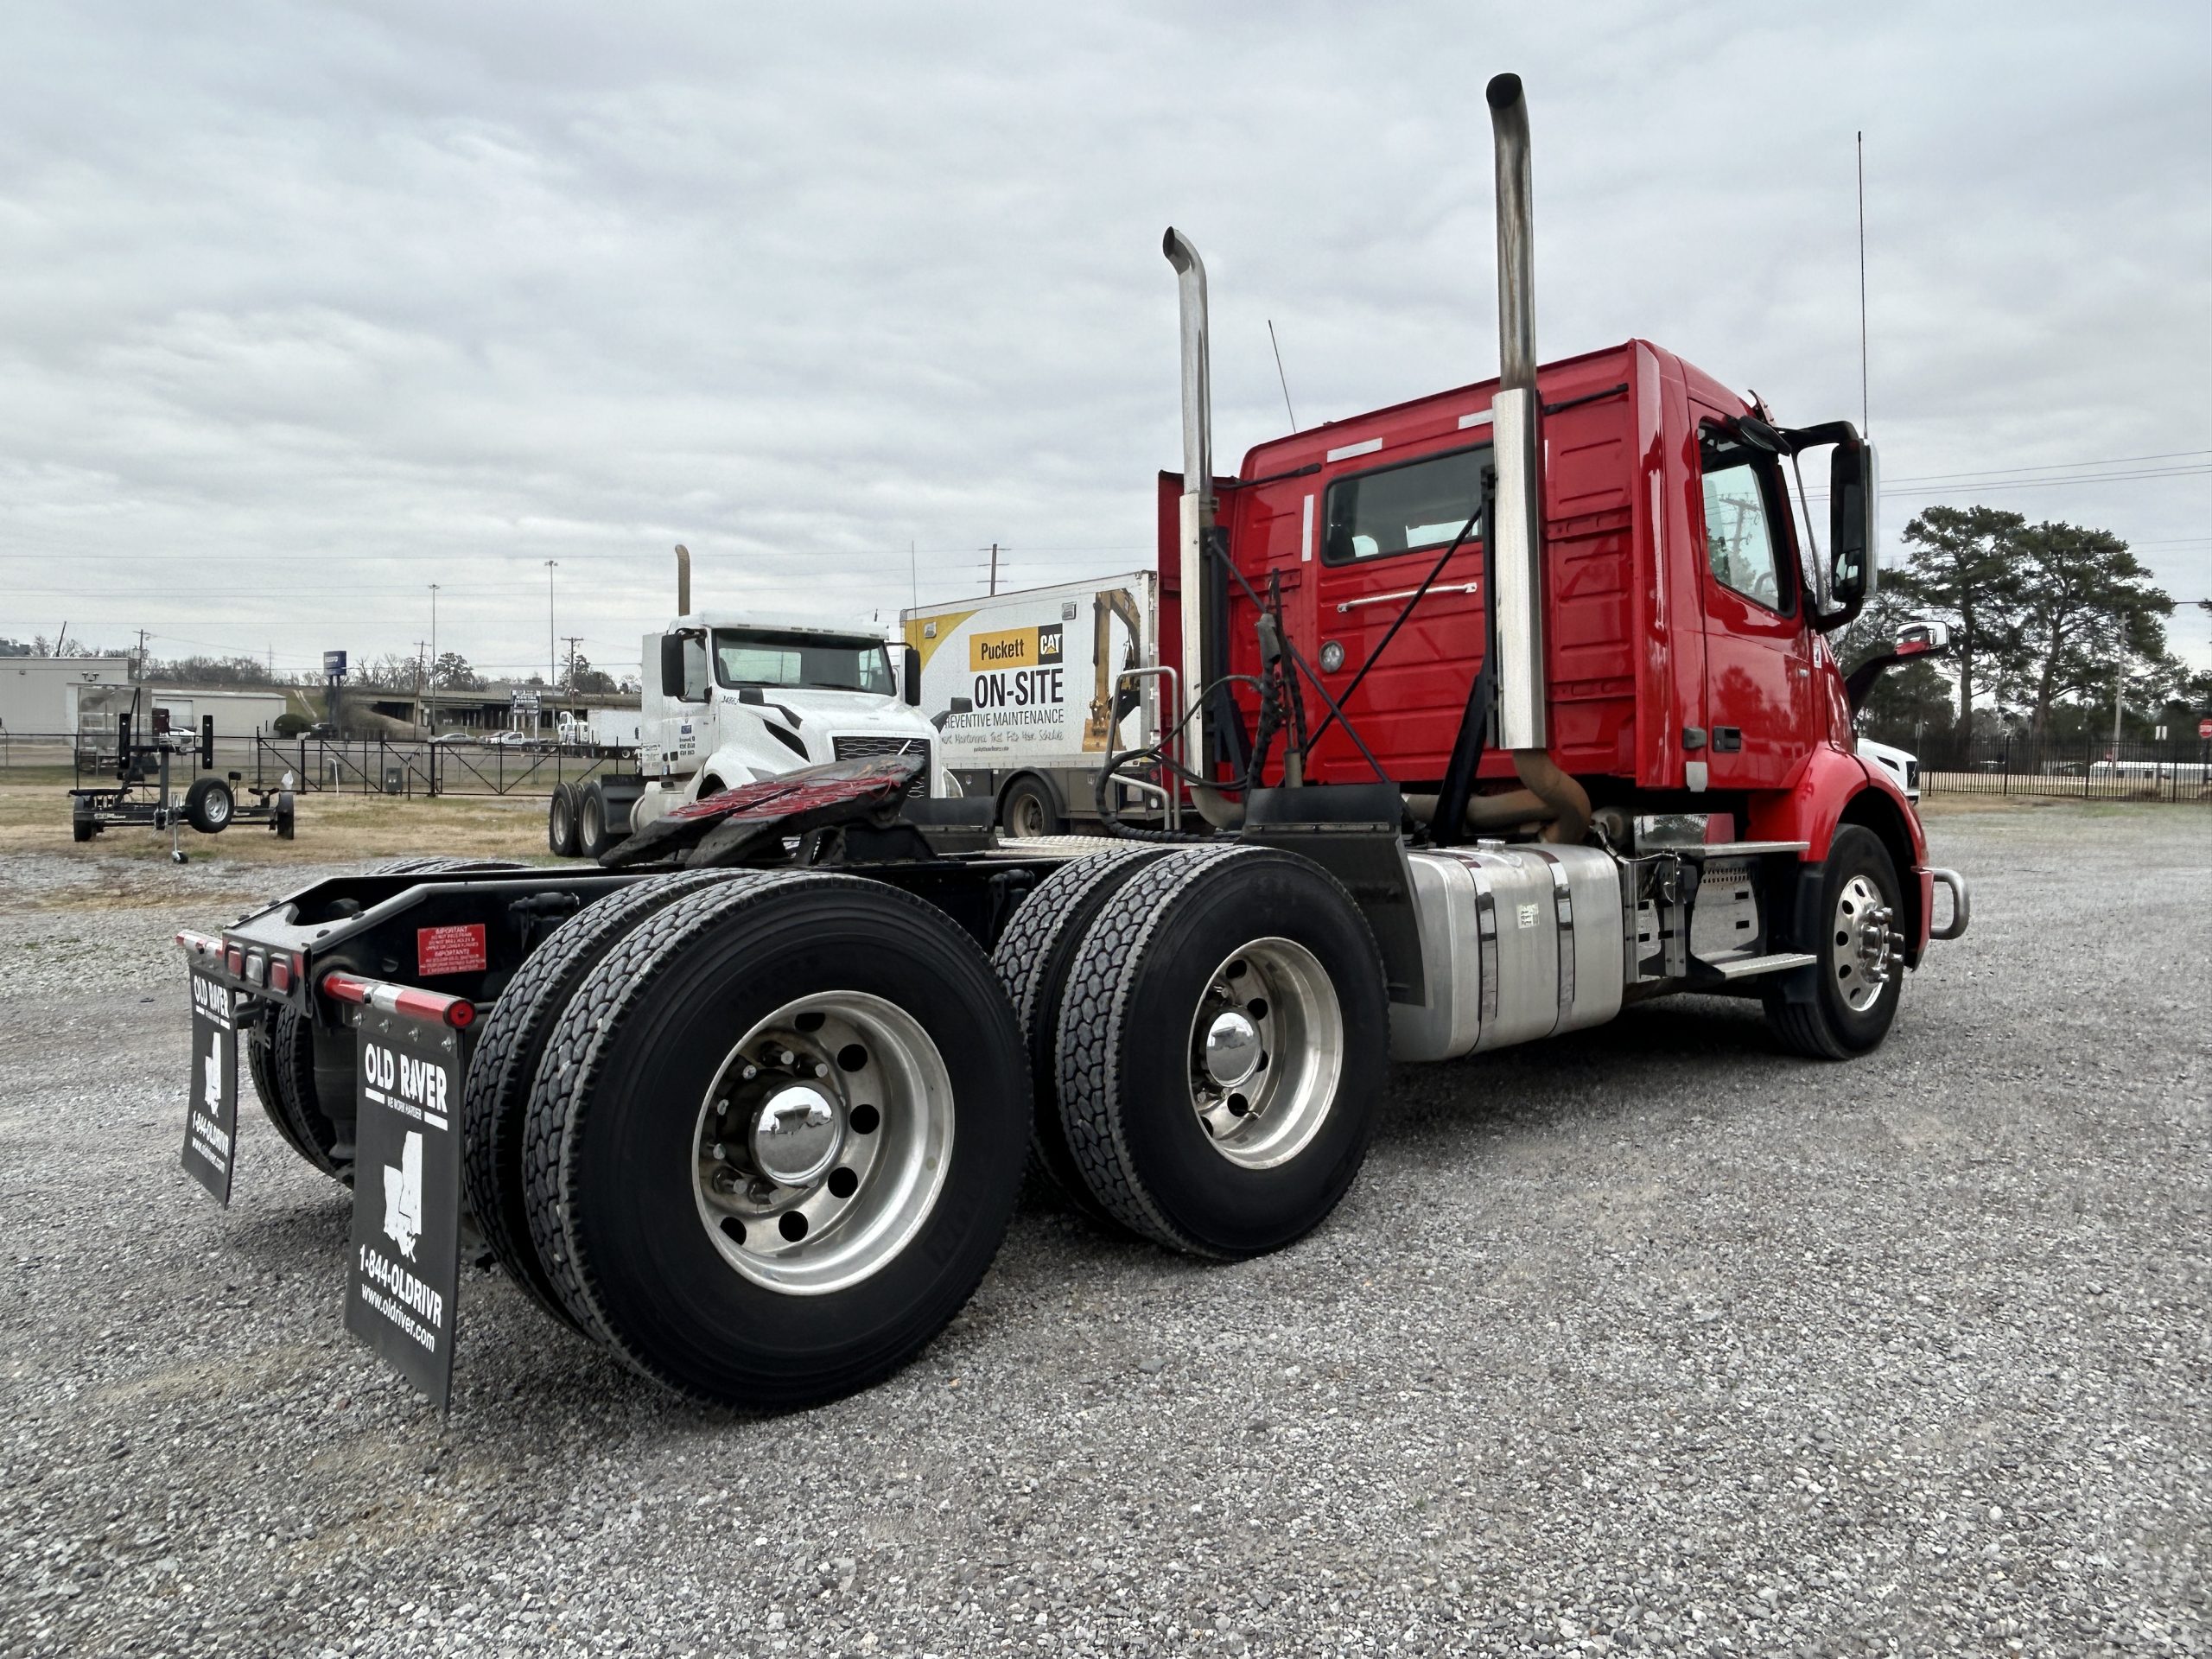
(325, 764)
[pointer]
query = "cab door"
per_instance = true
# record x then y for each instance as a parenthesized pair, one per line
(1758, 669)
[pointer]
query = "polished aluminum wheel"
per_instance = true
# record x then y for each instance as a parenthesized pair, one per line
(823, 1142)
(1867, 944)
(1267, 1049)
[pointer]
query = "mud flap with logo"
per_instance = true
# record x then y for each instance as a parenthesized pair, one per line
(402, 1271)
(210, 1112)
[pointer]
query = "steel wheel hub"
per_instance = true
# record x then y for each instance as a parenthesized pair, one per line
(1266, 1051)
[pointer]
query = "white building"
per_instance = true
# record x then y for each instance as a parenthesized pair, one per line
(38, 694)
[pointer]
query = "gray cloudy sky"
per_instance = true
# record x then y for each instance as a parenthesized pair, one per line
(304, 308)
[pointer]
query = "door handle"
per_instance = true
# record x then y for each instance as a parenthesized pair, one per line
(1384, 599)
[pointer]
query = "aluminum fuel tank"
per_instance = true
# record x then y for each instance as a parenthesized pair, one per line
(1516, 942)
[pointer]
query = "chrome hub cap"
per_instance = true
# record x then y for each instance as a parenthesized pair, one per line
(1868, 943)
(798, 1135)
(823, 1142)
(1233, 1051)
(1265, 1052)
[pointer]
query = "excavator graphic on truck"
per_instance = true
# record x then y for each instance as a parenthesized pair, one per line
(1484, 715)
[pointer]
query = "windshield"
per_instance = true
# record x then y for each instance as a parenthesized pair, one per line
(801, 662)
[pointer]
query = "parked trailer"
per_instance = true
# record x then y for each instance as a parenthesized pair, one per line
(748, 1103)
(1030, 692)
(141, 795)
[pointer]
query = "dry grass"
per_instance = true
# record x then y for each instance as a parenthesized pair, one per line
(331, 828)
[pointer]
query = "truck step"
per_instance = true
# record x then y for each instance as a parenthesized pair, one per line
(1738, 849)
(1780, 961)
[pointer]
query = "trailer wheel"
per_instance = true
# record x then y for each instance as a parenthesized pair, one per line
(83, 826)
(560, 821)
(1029, 810)
(1032, 959)
(777, 1137)
(208, 805)
(1860, 978)
(286, 816)
(495, 1101)
(1222, 1044)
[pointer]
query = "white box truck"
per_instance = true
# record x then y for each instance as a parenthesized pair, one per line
(1023, 690)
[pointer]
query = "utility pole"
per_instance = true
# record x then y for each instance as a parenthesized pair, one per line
(429, 705)
(552, 661)
(2119, 685)
(573, 639)
(995, 570)
(142, 653)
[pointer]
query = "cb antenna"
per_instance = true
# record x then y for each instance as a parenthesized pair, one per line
(1281, 376)
(1865, 421)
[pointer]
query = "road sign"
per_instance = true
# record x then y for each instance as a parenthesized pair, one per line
(2204, 728)
(333, 664)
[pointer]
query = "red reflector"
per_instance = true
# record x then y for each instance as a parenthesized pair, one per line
(235, 959)
(462, 1016)
(280, 975)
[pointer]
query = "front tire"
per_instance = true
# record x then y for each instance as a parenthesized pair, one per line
(1222, 1041)
(1860, 978)
(777, 1138)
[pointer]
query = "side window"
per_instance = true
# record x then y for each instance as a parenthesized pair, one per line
(1740, 532)
(695, 668)
(1403, 509)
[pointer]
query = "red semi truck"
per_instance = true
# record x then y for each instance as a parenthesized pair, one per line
(1491, 713)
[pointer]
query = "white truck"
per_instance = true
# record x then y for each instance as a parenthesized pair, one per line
(736, 697)
(1027, 691)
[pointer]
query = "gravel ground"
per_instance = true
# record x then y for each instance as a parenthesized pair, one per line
(1651, 1340)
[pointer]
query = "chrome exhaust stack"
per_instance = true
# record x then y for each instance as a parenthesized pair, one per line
(1197, 512)
(682, 580)
(1516, 527)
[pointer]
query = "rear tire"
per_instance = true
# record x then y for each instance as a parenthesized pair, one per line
(560, 821)
(495, 1101)
(82, 826)
(1029, 810)
(313, 1133)
(209, 806)
(1860, 978)
(1222, 1044)
(626, 1142)
(591, 838)
(1032, 959)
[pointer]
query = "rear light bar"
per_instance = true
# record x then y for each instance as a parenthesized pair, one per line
(199, 944)
(455, 1011)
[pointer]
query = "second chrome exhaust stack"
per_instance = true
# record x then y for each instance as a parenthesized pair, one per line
(1516, 528)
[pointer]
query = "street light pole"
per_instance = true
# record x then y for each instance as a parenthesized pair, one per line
(552, 657)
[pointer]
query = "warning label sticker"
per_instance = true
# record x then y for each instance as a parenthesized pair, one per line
(450, 950)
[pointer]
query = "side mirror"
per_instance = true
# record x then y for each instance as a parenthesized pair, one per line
(1851, 529)
(1924, 639)
(671, 666)
(913, 677)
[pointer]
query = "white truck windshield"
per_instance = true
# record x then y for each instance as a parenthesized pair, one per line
(801, 662)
